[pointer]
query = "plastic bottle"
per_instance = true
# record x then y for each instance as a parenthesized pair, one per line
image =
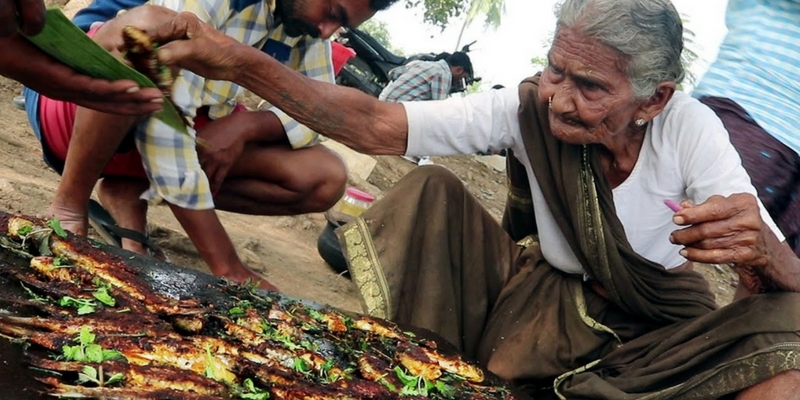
(355, 202)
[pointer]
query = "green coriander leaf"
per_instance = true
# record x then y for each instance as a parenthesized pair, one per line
(86, 336)
(25, 230)
(116, 378)
(85, 309)
(301, 366)
(88, 374)
(111, 355)
(55, 225)
(102, 295)
(316, 315)
(59, 261)
(94, 353)
(34, 296)
(72, 353)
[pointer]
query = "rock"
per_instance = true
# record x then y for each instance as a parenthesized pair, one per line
(360, 165)
(496, 163)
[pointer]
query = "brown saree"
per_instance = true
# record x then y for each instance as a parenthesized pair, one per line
(429, 255)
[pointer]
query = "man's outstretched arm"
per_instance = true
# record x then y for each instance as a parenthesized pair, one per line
(22, 61)
(344, 114)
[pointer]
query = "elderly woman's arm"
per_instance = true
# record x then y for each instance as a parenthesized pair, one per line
(730, 230)
(344, 114)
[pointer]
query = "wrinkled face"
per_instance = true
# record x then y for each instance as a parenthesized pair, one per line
(592, 99)
(321, 18)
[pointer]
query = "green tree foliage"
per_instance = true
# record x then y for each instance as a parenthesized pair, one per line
(441, 12)
(378, 30)
(492, 10)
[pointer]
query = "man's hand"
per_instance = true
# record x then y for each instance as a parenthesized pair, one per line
(223, 142)
(198, 47)
(27, 15)
(22, 61)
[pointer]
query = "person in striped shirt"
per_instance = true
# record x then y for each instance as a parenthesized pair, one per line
(253, 162)
(426, 80)
(754, 87)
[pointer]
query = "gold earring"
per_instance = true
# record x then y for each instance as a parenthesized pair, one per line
(640, 122)
(550, 103)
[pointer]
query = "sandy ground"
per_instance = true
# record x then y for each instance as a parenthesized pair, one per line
(282, 248)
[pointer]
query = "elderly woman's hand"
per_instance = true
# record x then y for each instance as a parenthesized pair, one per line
(722, 230)
(198, 47)
(729, 230)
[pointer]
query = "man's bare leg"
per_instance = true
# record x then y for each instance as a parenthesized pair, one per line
(214, 245)
(277, 180)
(120, 196)
(96, 137)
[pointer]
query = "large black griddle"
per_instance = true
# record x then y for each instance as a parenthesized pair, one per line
(17, 380)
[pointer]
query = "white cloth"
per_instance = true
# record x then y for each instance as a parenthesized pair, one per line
(686, 154)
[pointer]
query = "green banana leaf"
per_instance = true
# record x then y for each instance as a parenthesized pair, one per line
(68, 44)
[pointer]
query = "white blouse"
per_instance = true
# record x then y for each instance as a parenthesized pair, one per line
(686, 154)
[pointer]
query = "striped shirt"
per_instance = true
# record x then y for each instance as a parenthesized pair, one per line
(418, 80)
(758, 65)
(169, 157)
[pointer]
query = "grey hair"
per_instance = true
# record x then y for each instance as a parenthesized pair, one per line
(648, 33)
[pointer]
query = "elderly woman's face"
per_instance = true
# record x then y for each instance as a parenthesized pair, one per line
(591, 97)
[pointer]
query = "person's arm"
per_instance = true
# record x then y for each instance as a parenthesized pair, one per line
(27, 15)
(226, 138)
(215, 246)
(312, 58)
(22, 61)
(348, 116)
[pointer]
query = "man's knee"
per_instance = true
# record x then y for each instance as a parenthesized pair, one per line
(327, 184)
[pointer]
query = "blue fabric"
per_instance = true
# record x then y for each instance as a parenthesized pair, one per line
(32, 109)
(278, 50)
(102, 11)
(758, 65)
(239, 5)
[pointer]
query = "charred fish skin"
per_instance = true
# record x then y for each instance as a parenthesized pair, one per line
(179, 350)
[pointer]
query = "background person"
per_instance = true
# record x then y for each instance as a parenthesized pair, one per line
(426, 80)
(754, 87)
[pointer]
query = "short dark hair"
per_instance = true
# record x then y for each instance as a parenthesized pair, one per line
(460, 59)
(380, 5)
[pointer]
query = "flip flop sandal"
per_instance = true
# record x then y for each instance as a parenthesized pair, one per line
(105, 226)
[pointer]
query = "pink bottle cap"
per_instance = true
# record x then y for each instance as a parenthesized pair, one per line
(359, 195)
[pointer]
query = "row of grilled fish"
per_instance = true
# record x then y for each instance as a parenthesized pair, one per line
(176, 349)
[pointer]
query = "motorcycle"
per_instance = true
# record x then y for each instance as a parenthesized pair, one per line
(369, 70)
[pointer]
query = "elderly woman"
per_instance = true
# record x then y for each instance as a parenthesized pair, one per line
(605, 304)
